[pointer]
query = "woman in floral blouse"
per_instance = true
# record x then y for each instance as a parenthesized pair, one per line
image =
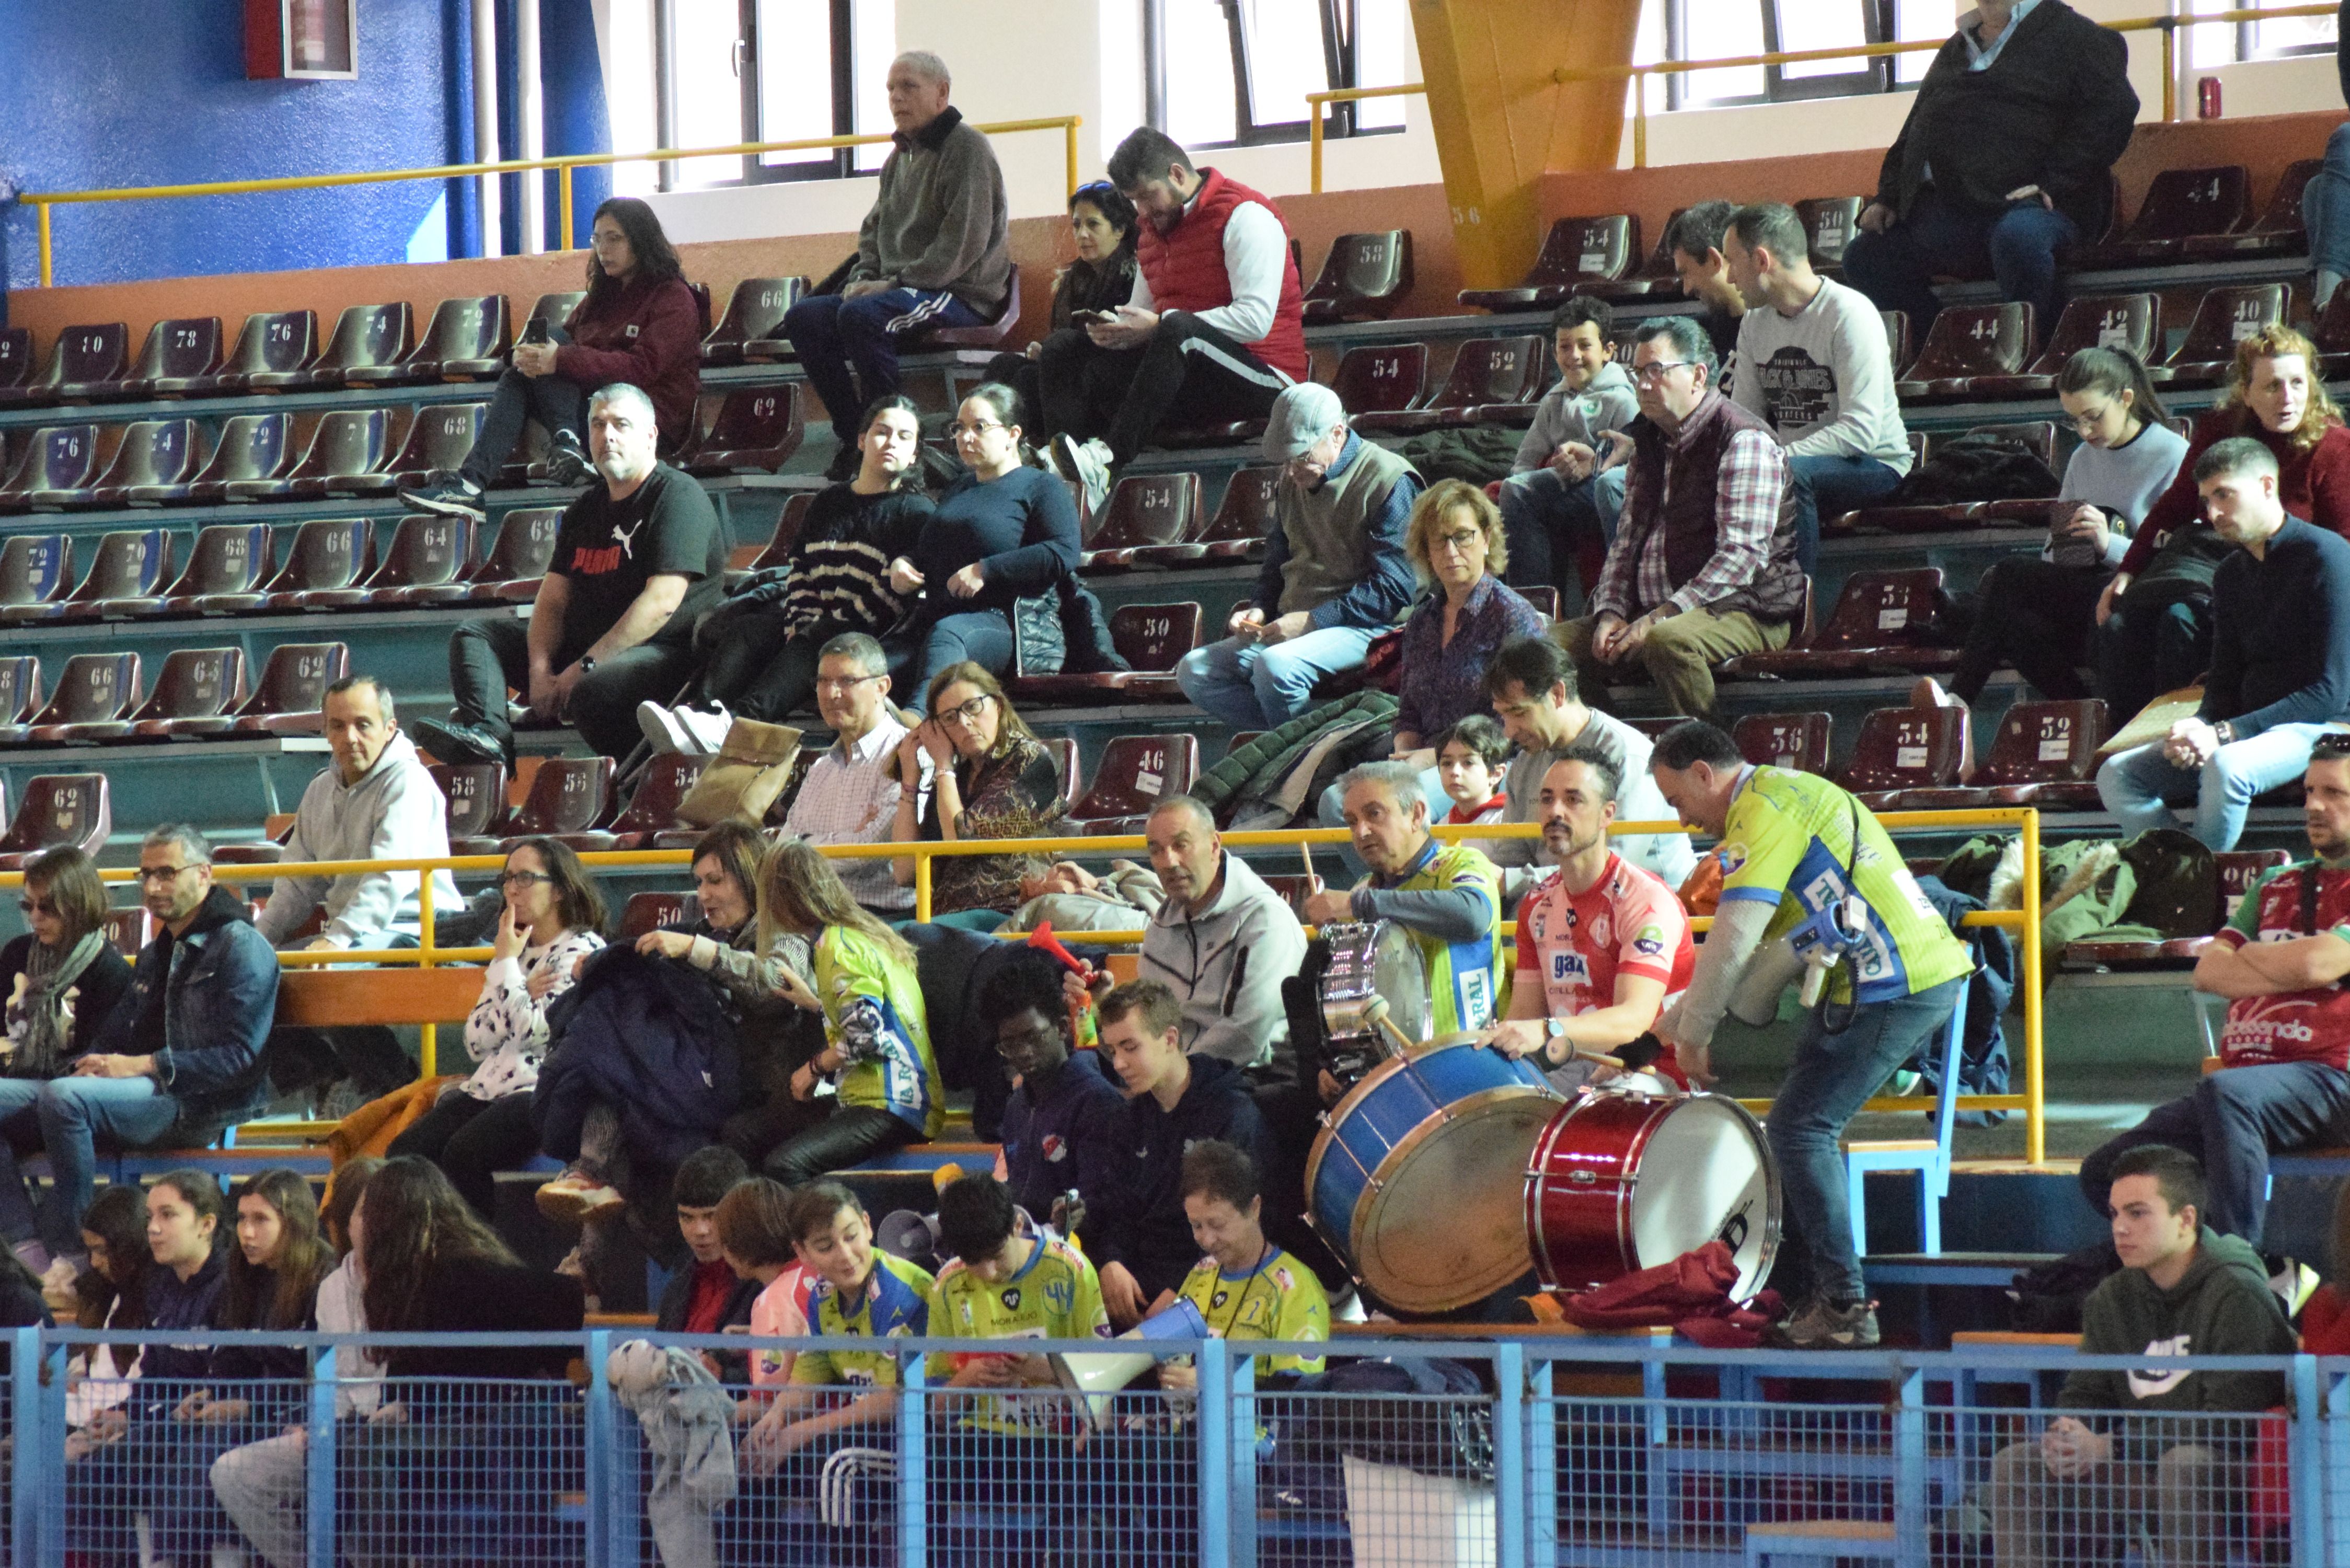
(553, 917)
(992, 778)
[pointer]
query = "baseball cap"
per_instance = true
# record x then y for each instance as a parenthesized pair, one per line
(1301, 416)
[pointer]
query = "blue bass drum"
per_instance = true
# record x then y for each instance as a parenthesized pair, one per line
(1417, 1178)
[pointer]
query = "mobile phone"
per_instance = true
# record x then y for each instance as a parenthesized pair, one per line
(534, 330)
(1092, 317)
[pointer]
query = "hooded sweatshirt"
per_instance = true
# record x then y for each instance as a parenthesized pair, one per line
(2223, 1306)
(1607, 403)
(1227, 963)
(1046, 1145)
(1135, 1216)
(395, 812)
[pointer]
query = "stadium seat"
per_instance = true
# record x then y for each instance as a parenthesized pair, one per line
(1965, 342)
(1136, 772)
(1904, 749)
(1897, 339)
(15, 357)
(568, 796)
(2278, 230)
(1544, 597)
(270, 342)
(94, 687)
(516, 560)
(82, 356)
(756, 431)
(130, 562)
(2045, 754)
(427, 549)
(1576, 250)
(2224, 317)
(175, 353)
(2180, 202)
(20, 687)
(649, 911)
(365, 336)
(227, 559)
(58, 809)
(2036, 436)
(1487, 373)
(1829, 223)
(987, 334)
(1145, 512)
(1795, 741)
(440, 436)
(195, 683)
(1381, 379)
(35, 570)
(251, 446)
(668, 778)
(152, 452)
(1063, 753)
(284, 701)
(346, 441)
(2126, 321)
(277, 832)
(1243, 518)
(1364, 279)
(464, 342)
(54, 458)
(753, 324)
(1877, 628)
(2331, 333)
(2237, 871)
(327, 553)
(129, 929)
(1656, 281)
(1149, 637)
(475, 794)
(750, 559)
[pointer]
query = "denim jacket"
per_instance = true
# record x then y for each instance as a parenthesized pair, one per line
(221, 997)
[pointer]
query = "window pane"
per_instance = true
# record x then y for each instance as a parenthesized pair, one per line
(707, 91)
(2287, 35)
(1286, 58)
(1822, 25)
(794, 77)
(1722, 30)
(1385, 56)
(1199, 109)
(1919, 21)
(630, 83)
(2213, 43)
(1647, 48)
(873, 46)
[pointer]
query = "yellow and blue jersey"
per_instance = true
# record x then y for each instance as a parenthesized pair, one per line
(873, 1013)
(1056, 1296)
(894, 1304)
(1464, 979)
(1279, 1299)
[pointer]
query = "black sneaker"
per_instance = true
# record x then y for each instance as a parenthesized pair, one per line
(567, 463)
(454, 741)
(844, 464)
(448, 494)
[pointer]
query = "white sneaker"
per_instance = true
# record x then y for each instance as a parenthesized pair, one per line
(705, 729)
(1087, 463)
(661, 730)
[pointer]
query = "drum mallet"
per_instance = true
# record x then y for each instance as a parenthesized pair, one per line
(1376, 1010)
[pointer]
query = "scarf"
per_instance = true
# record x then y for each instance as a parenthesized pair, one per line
(49, 975)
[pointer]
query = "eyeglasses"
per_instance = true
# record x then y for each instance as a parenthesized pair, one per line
(973, 432)
(522, 879)
(969, 713)
(1459, 539)
(843, 682)
(38, 907)
(1655, 370)
(162, 873)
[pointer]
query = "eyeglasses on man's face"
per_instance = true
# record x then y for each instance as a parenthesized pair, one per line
(1655, 370)
(162, 873)
(842, 682)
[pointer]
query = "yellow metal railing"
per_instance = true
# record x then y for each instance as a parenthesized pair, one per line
(2025, 922)
(43, 201)
(1638, 73)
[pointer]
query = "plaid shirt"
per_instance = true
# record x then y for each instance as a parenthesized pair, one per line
(850, 796)
(1753, 479)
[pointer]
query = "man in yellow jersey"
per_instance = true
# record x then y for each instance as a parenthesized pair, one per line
(1801, 860)
(1245, 1287)
(1448, 895)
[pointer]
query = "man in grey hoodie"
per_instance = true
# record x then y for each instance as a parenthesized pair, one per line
(375, 801)
(2136, 1453)
(1557, 504)
(1221, 943)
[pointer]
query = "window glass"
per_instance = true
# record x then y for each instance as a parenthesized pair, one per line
(1200, 109)
(1286, 58)
(1917, 21)
(1822, 25)
(795, 78)
(1385, 56)
(1722, 30)
(873, 45)
(708, 87)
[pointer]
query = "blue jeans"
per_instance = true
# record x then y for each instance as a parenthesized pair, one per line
(1833, 1077)
(983, 637)
(2018, 243)
(1261, 686)
(850, 346)
(2325, 208)
(1551, 524)
(1832, 486)
(2232, 1122)
(2140, 785)
(68, 1114)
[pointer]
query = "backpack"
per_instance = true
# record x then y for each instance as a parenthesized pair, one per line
(1976, 466)
(1440, 1424)
(2048, 1299)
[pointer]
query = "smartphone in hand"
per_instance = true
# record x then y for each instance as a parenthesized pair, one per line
(533, 330)
(1092, 317)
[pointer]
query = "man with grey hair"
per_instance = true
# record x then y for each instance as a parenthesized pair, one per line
(2280, 673)
(640, 555)
(1704, 565)
(1222, 942)
(1335, 573)
(930, 253)
(850, 794)
(178, 1059)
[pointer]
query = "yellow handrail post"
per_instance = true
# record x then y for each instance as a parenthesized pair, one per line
(2035, 1082)
(1069, 148)
(427, 1039)
(922, 889)
(1314, 107)
(48, 254)
(2170, 70)
(563, 204)
(1639, 118)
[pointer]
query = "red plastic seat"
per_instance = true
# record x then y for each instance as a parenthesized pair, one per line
(95, 687)
(2224, 317)
(1063, 753)
(2180, 202)
(175, 353)
(15, 357)
(568, 796)
(2037, 436)
(426, 549)
(1145, 509)
(35, 570)
(58, 810)
(1656, 281)
(1236, 532)
(1878, 627)
(1899, 348)
(130, 563)
(1968, 341)
(1381, 379)
(1544, 597)
(518, 559)
(464, 342)
(475, 795)
(987, 334)
(650, 911)
(1149, 637)
(669, 777)
(293, 684)
(152, 452)
(440, 437)
(752, 327)
(2331, 333)
(367, 336)
(1904, 749)
(129, 929)
(2045, 754)
(1829, 223)
(2278, 231)
(228, 559)
(1136, 773)
(2132, 322)
(756, 431)
(251, 447)
(20, 687)
(54, 458)
(271, 343)
(2239, 870)
(81, 358)
(195, 683)
(1576, 250)
(1487, 373)
(327, 553)
(1364, 278)
(1796, 740)
(346, 442)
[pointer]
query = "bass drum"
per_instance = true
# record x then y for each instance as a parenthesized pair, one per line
(1621, 1182)
(1414, 1180)
(1372, 959)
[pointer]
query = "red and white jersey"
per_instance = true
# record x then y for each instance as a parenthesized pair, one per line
(1628, 923)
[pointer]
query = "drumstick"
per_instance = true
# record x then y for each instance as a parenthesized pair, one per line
(1376, 1012)
(1591, 1053)
(1306, 852)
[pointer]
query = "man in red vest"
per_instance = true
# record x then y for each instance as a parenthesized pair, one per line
(1213, 331)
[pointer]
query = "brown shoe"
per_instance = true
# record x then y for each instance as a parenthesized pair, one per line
(576, 1198)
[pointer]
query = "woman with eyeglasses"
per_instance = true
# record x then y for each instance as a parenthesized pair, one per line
(553, 917)
(991, 778)
(1003, 533)
(1102, 228)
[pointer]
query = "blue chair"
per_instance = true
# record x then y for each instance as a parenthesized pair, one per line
(1929, 1157)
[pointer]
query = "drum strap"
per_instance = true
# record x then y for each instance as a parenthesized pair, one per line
(1837, 1016)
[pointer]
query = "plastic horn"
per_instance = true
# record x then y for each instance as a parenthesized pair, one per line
(1043, 940)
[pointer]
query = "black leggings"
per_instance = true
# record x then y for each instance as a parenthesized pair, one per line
(472, 1140)
(2036, 615)
(1188, 374)
(850, 1135)
(2145, 650)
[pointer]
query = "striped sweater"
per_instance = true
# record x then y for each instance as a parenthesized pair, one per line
(837, 578)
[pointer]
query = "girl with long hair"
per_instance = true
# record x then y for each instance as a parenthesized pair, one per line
(990, 777)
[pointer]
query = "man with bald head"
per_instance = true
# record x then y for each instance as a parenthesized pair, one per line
(1221, 943)
(930, 253)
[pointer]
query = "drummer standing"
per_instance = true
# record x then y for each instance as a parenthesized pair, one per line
(1603, 946)
(1799, 854)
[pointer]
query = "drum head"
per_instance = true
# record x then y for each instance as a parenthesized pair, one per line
(1447, 1227)
(1403, 981)
(1706, 1173)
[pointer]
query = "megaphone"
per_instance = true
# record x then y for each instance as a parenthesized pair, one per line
(902, 1233)
(1099, 1376)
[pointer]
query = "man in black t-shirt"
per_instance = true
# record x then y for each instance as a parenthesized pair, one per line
(640, 555)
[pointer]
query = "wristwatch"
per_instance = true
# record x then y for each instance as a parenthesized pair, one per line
(587, 665)
(1555, 1029)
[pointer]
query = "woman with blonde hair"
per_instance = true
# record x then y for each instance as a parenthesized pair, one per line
(991, 778)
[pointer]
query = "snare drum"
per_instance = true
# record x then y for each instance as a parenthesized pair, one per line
(1623, 1181)
(1414, 1177)
(1372, 959)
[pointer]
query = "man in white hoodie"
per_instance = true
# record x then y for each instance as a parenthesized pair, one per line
(375, 801)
